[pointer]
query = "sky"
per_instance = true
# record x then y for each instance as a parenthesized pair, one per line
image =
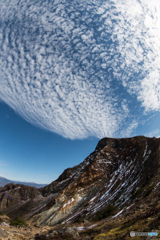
(71, 73)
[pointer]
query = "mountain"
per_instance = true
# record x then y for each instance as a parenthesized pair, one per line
(115, 190)
(4, 181)
(11, 195)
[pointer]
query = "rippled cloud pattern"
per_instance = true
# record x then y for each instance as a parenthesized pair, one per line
(81, 68)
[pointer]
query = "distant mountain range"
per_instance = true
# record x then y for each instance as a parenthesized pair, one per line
(4, 181)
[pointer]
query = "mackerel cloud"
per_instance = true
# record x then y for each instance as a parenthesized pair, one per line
(80, 68)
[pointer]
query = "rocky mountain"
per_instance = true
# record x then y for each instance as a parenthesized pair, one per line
(4, 181)
(116, 189)
(12, 195)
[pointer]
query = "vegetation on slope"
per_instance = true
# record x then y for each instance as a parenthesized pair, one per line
(18, 221)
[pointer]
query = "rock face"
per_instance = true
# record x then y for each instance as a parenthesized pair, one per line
(12, 195)
(3, 233)
(113, 173)
(118, 173)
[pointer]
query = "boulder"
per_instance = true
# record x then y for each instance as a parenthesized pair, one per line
(4, 224)
(72, 231)
(3, 233)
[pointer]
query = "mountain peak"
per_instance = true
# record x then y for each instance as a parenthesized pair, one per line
(120, 173)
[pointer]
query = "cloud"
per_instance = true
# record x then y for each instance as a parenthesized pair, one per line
(77, 68)
(153, 133)
(126, 132)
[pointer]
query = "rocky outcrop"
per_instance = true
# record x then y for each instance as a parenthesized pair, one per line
(3, 234)
(12, 195)
(113, 173)
(118, 182)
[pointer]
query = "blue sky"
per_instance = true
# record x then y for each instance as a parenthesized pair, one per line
(28, 153)
(72, 72)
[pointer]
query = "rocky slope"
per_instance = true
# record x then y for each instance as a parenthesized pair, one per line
(113, 173)
(116, 186)
(11, 196)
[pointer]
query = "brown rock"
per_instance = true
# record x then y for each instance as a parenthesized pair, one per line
(3, 233)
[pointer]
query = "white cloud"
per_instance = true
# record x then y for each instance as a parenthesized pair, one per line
(153, 133)
(139, 44)
(78, 78)
(150, 91)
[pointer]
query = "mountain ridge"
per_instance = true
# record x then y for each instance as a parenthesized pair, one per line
(118, 183)
(4, 181)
